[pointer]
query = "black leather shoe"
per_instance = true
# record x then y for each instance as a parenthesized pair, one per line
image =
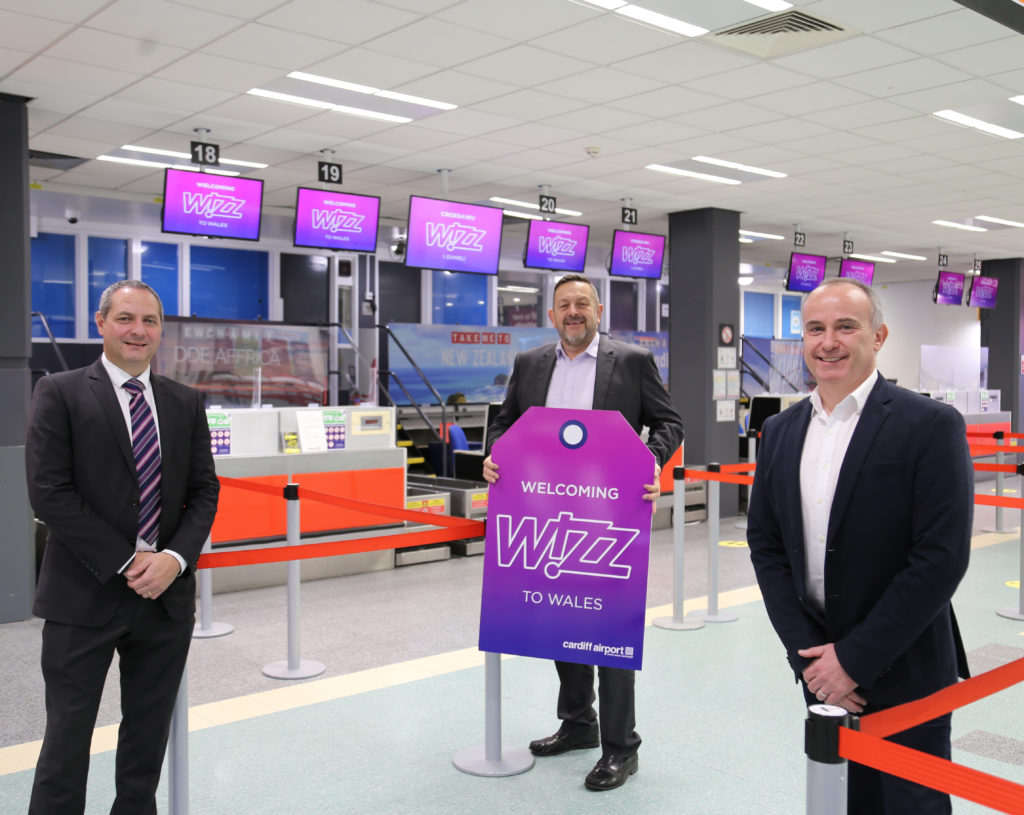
(611, 772)
(562, 742)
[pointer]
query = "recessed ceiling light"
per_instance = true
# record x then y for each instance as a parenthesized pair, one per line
(992, 220)
(745, 280)
(977, 124)
(523, 289)
(528, 215)
(875, 258)
(499, 200)
(771, 5)
(767, 235)
(1018, 99)
(903, 255)
(367, 89)
(737, 166)
(178, 154)
(654, 18)
(661, 168)
(305, 101)
(955, 225)
(746, 240)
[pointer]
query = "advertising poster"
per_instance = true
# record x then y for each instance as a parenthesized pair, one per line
(568, 539)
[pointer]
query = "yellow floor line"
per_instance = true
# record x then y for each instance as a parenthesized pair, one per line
(20, 757)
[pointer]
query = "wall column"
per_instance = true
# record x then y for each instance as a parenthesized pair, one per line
(1002, 334)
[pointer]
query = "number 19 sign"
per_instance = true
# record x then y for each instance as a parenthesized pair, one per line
(568, 539)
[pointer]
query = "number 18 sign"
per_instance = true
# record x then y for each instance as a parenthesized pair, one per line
(568, 539)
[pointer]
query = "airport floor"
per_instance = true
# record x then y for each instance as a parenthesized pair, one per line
(403, 691)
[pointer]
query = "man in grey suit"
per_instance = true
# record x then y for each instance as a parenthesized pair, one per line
(120, 470)
(585, 371)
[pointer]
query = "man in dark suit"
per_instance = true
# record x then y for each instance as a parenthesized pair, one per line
(128, 510)
(585, 371)
(859, 530)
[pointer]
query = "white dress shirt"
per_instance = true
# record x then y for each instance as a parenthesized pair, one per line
(572, 382)
(828, 437)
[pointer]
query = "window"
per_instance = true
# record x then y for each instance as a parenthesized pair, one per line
(460, 298)
(53, 283)
(229, 284)
(108, 263)
(622, 305)
(758, 314)
(160, 271)
(521, 299)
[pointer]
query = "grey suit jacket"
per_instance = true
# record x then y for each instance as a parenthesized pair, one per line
(626, 380)
(83, 486)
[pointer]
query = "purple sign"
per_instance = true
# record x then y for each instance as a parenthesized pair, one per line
(568, 538)
(862, 270)
(636, 254)
(805, 272)
(336, 220)
(949, 290)
(983, 292)
(214, 205)
(557, 246)
(454, 237)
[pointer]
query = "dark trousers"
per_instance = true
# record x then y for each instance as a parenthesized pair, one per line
(152, 650)
(617, 710)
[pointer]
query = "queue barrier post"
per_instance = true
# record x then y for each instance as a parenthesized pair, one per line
(751, 459)
(826, 769)
(206, 628)
(712, 615)
(294, 667)
(1018, 613)
(177, 752)
(491, 758)
(999, 436)
(677, 622)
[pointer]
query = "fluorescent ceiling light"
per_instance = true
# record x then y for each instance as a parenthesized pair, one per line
(661, 168)
(527, 215)
(745, 280)
(955, 225)
(290, 98)
(736, 166)
(609, 5)
(875, 258)
(746, 240)
(767, 235)
(499, 200)
(977, 124)
(771, 5)
(367, 89)
(138, 162)
(657, 20)
(371, 114)
(523, 289)
(1018, 99)
(903, 255)
(177, 154)
(992, 220)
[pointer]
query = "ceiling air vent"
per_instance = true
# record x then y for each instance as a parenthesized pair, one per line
(53, 161)
(780, 34)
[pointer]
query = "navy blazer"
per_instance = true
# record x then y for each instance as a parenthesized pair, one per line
(897, 545)
(83, 486)
(626, 380)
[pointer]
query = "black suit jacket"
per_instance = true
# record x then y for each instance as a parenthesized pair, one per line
(626, 380)
(83, 486)
(898, 543)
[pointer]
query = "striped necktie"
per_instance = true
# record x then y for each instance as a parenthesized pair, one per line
(146, 448)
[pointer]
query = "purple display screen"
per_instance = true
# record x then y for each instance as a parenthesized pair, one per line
(557, 246)
(983, 292)
(454, 237)
(336, 220)
(949, 290)
(805, 272)
(214, 205)
(636, 254)
(862, 270)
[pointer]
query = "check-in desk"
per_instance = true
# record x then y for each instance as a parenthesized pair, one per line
(368, 467)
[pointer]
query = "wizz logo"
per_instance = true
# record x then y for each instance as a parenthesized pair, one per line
(337, 220)
(553, 245)
(565, 545)
(455, 236)
(637, 254)
(213, 205)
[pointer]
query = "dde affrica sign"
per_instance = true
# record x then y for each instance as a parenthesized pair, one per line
(568, 538)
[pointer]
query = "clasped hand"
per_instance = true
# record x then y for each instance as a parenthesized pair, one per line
(826, 679)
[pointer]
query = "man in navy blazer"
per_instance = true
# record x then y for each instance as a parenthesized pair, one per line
(585, 371)
(103, 586)
(859, 530)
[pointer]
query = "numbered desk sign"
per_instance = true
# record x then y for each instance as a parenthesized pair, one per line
(568, 539)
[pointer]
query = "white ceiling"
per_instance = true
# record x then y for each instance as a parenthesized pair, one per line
(538, 82)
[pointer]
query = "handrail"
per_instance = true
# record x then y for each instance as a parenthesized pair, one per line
(445, 441)
(361, 358)
(53, 340)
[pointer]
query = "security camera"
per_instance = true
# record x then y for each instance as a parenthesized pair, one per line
(71, 215)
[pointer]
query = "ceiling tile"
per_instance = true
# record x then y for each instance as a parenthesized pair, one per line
(48, 97)
(522, 20)
(106, 50)
(468, 122)
(946, 32)
(57, 9)
(596, 119)
(112, 133)
(750, 81)
(525, 65)
(686, 61)
(450, 45)
(607, 38)
(208, 70)
(879, 15)
(25, 32)
(366, 67)
(11, 59)
(875, 111)
(847, 57)
(138, 114)
(671, 100)
(656, 132)
(353, 21)
(59, 73)
(530, 104)
(275, 47)
(904, 77)
(163, 22)
(730, 116)
(989, 58)
(811, 98)
(175, 95)
(455, 87)
(601, 85)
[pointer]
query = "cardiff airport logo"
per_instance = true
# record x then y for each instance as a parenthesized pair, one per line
(336, 220)
(556, 246)
(213, 205)
(565, 545)
(452, 236)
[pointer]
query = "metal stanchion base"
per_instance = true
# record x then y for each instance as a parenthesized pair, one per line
(473, 760)
(215, 630)
(280, 670)
(708, 617)
(672, 624)
(1010, 613)
(1013, 530)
